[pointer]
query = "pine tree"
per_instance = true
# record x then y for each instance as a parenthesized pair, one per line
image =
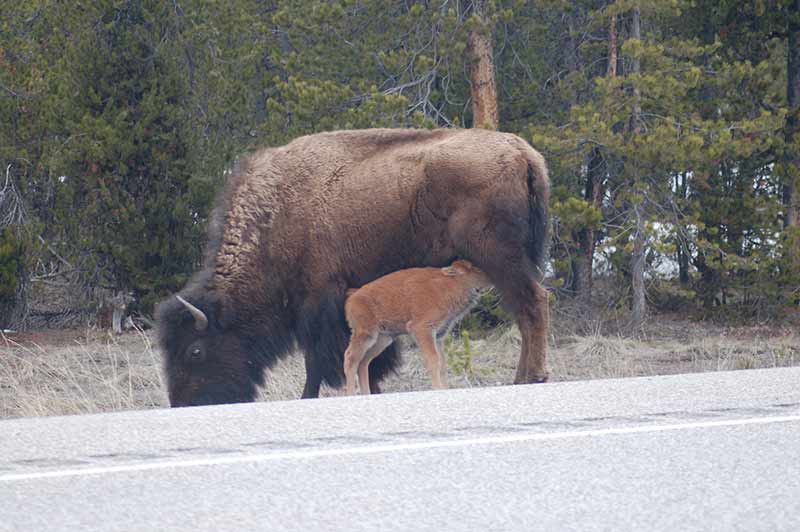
(677, 146)
(127, 198)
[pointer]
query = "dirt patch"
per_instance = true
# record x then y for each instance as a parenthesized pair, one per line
(51, 337)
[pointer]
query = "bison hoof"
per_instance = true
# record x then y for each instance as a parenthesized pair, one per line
(532, 379)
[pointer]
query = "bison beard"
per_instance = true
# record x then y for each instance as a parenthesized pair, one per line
(297, 225)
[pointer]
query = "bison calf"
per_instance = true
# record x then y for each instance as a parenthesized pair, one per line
(422, 302)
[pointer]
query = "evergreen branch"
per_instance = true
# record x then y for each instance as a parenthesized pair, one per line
(55, 253)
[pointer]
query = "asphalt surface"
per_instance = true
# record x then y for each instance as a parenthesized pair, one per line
(714, 451)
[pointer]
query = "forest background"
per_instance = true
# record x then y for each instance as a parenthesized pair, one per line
(670, 127)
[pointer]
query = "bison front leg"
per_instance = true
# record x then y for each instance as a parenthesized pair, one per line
(382, 366)
(374, 382)
(313, 379)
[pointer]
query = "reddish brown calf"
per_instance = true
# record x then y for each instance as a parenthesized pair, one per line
(423, 302)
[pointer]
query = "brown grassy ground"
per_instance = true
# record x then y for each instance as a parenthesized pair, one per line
(74, 372)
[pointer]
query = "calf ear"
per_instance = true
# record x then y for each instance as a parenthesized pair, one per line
(451, 272)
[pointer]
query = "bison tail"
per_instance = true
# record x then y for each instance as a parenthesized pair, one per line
(538, 221)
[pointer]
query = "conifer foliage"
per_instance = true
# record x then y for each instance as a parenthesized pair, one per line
(670, 127)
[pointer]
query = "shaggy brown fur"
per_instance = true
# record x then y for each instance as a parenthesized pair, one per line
(300, 223)
(423, 302)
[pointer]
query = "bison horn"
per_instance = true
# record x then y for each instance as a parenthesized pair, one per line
(200, 319)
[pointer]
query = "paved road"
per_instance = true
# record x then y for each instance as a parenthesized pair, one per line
(715, 451)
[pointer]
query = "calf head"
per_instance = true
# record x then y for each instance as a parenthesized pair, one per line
(474, 276)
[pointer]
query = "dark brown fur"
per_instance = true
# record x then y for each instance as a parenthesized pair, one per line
(300, 223)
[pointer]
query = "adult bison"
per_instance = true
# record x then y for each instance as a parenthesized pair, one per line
(295, 226)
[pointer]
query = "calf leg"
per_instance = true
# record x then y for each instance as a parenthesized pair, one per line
(360, 343)
(442, 364)
(364, 383)
(426, 341)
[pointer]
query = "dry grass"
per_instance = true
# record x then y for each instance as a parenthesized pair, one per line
(99, 372)
(604, 357)
(94, 374)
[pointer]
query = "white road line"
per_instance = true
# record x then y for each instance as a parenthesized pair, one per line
(372, 449)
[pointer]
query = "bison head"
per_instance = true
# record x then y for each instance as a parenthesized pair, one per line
(205, 362)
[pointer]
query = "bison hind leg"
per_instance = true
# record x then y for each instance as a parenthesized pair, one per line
(498, 242)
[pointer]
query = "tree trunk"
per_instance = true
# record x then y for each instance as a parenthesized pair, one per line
(791, 201)
(593, 192)
(637, 259)
(583, 264)
(636, 68)
(119, 305)
(682, 245)
(639, 307)
(611, 71)
(683, 265)
(481, 74)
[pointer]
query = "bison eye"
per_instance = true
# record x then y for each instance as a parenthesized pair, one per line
(195, 354)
